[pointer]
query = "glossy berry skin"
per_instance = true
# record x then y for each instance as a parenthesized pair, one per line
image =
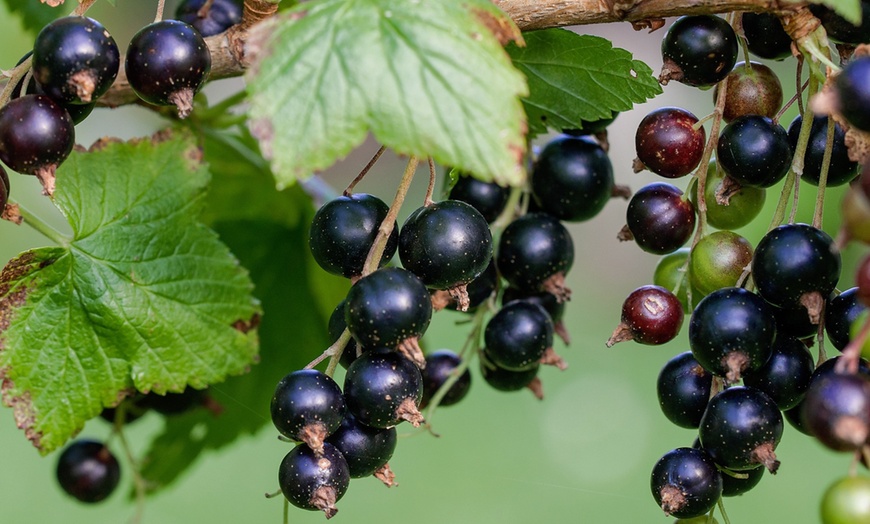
(387, 307)
(841, 170)
(378, 383)
(304, 400)
(659, 218)
(506, 380)
(487, 197)
(852, 87)
(343, 230)
(440, 366)
(77, 112)
(686, 483)
(836, 410)
(792, 260)
(840, 313)
(699, 50)
(165, 60)
(743, 205)
(35, 134)
(785, 377)
(794, 322)
(741, 428)
(667, 144)
(754, 151)
(221, 15)
(652, 315)
(517, 336)
(735, 486)
(839, 29)
(765, 36)
(446, 244)
(572, 178)
(731, 331)
(303, 473)
(532, 249)
(88, 471)
(366, 449)
(75, 60)
(718, 260)
(847, 501)
(683, 388)
(752, 90)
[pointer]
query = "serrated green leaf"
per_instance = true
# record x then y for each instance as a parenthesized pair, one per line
(35, 15)
(848, 9)
(576, 77)
(427, 78)
(142, 297)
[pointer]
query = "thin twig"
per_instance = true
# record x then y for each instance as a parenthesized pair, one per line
(823, 176)
(427, 201)
(349, 189)
(160, 5)
(377, 251)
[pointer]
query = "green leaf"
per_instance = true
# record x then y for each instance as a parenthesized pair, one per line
(578, 77)
(427, 78)
(848, 9)
(286, 280)
(35, 15)
(142, 297)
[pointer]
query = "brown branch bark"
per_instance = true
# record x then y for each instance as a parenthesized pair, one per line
(228, 49)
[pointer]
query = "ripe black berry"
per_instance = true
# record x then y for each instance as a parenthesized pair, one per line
(686, 483)
(487, 197)
(698, 50)
(4, 189)
(382, 388)
(836, 410)
(447, 244)
(210, 20)
(548, 301)
(314, 481)
(389, 308)
(167, 63)
(75, 60)
(506, 380)
(741, 429)
(683, 388)
(518, 336)
(651, 315)
(659, 219)
(572, 178)
(841, 170)
(88, 471)
(785, 377)
(441, 365)
(842, 31)
(534, 253)
(852, 87)
(765, 36)
(754, 151)
(667, 142)
(366, 449)
(479, 290)
(307, 406)
(343, 230)
(840, 313)
(173, 403)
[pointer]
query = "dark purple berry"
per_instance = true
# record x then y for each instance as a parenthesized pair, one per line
(840, 313)
(219, 16)
(88, 471)
(382, 388)
(659, 219)
(651, 315)
(839, 29)
(548, 301)
(518, 336)
(836, 410)
(307, 406)
(167, 63)
(366, 449)
(314, 481)
(765, 36)
(754, 151)
(4, 189)
(535, 253)
(734, 485)
(441, 366)
(841, 170)
(785, 377)
(667, 142)
(686, 483)
(852, 87)
(506, 380)
(683, 388)
(698, 50)
(487, 197)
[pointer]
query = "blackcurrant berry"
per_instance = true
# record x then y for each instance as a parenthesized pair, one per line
(754, 151)
(852, 87)
(785, 377)
(518, 336)
(343, 230)
(840, 313)
(382, 388)
(390, 308)
(173, 403)
(75, 60)
(211, 19)
(836, 410)
(167, 63)
(479, 290)
(548, 301)
(842, 31)
(366, 449)
(718, 260)
(651, 315)
(668, 143)
(698, 50)
(686, 483)
(447, 244)
(506, 380)
(793, 321)
(307, 406)
(752, 90)
(683, 388)
(314, 481)
(535, 253)
(441, 365)
(88, 471)
(741, 429)
(841, 170)
(592, 127)
(4, 189)
(796, 264)
(487, 197)
(734, 485)
(572, 178)
(659, 219)
(765, 36)
(36, 135)
(732, 331)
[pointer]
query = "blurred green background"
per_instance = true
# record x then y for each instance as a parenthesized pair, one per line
(582, 455)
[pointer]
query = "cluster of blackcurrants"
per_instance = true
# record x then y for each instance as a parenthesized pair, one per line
(758, 337)
(75, 61)
(448, 261)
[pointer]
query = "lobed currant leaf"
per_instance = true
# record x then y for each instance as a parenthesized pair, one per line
(574, 77)
(142, 296)
(328, 73)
